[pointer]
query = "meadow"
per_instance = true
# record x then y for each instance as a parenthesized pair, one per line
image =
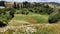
(33, 19)
(30, 24)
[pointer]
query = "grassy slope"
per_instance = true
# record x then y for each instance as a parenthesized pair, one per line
(36, 18)
(21, 20)
(35, 29)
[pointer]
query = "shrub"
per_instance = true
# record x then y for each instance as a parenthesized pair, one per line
(2, 24)
(31, 10)
(25, 11)
(12, 11)
(54, 18)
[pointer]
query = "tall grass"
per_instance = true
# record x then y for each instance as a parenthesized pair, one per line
(34, 29)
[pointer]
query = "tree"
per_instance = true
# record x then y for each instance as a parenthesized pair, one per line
(46, 6)
(2, 3)
(15, 7)
(54, 17)
(25, 11)
(26, 4)
(18, 6)
(12, 11)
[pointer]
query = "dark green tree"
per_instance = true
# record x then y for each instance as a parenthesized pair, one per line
(15, 7)
(18, 6)
(26, 4)
(54, 17)
(12, 11)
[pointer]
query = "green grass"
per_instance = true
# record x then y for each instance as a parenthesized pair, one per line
(20, 19)
(39, 18)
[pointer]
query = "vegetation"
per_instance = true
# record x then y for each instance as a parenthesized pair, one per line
(54, 17)
(38, 18)
(33, 29)
(5, 16)
(31, 9)
(30, 18)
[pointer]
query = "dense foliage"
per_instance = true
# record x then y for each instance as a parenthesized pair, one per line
(54, 17)
(5, 16)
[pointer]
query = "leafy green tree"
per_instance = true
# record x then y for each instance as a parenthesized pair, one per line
(54, 17)
(12, 11)
(2, 3)
(26, 4)
(18, 6)
(25, 11)
(15, 7)
(30, 10)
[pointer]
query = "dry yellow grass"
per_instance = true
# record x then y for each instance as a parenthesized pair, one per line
(37, 28)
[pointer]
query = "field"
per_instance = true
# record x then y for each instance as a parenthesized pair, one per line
(30, 24)
(29, 19)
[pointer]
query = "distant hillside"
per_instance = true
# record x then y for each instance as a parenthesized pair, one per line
(54, 3)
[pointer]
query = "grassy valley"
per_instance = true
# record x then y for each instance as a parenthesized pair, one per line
(30, 18)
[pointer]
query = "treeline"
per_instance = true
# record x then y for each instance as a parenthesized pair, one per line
(28, 5)
(34, 8)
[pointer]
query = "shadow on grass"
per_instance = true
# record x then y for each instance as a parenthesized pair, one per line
(2, 24)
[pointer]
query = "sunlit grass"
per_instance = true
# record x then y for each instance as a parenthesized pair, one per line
(37, 17)
(37, 29)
